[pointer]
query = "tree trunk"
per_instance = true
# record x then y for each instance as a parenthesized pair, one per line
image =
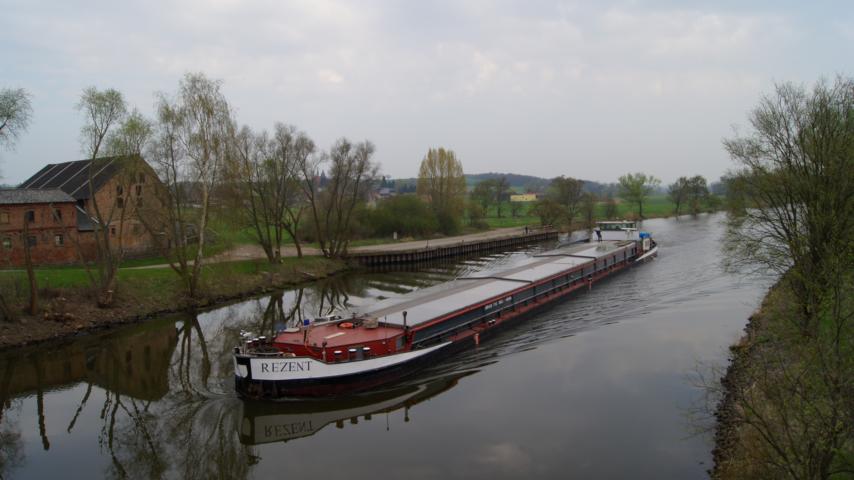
(105, 299)
(31, 274)
(5, 312)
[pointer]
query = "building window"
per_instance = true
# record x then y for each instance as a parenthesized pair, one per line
(58, 240)
(119, 190)
(7, 243)
(30, 216)
(139, 190)
(113, 231)
(4, 218)
(120, 202)
(32, 240)
(57, 215)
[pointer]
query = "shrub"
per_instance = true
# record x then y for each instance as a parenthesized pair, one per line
(407, 215)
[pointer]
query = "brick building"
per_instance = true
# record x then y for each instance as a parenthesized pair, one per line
(119, 188)
(46, 219)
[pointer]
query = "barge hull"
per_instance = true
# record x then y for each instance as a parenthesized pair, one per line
(443, 320)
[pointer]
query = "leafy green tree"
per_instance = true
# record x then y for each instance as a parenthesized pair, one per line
(502, 194)
(697, 193)
(440, 178)
(677, 193)
(588, 209)
(636, 187)
(407, 215)
(477, 215)
(567, 192)
(549, 211)
(484, 193)
(793, 398)
(610, 207)
(516, 208)
(796, 174)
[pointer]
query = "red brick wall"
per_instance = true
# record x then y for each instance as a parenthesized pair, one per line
(123, 220)
(123, 223)
(44, 228)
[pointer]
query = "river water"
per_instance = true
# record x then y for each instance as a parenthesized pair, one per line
(602, 385)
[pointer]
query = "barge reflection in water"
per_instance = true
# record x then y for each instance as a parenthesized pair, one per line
(265, 422)
(588, 388)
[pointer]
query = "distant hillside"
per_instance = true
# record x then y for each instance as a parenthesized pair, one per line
(525, 183)
(519, 182)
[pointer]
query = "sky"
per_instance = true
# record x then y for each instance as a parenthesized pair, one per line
(590, 90)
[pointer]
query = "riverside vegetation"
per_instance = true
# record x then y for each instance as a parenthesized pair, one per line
(787, 408)
(223, 185)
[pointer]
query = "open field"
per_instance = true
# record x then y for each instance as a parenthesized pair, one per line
(656, 206)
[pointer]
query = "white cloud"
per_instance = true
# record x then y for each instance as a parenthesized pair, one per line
(329, 76)
(511, 86)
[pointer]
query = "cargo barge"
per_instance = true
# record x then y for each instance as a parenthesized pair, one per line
(395, 337)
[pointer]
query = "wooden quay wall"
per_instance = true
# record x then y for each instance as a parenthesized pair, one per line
(443, 248)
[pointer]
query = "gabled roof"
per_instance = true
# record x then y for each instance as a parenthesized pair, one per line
(73, 177)
(19, 196)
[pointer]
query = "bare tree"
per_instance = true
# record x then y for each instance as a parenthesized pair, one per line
(102, 110)
(15, 113)
(193, 140)
(31, 274)
(351, 173)
(265, 175)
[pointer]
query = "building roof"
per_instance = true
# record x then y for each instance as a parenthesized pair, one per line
(19, 196)
(73, 177)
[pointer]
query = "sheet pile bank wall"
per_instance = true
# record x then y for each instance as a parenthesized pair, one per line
(53, 211)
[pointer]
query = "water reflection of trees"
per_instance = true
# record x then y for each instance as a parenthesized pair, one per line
(163, 392)
(11, 445)
(192, 431)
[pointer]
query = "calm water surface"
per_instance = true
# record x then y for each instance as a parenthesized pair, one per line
(599, 386)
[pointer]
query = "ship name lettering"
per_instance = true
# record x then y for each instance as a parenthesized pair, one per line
(288, 429)
(291, 366)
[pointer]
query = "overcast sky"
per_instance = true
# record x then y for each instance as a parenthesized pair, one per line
(586, 89)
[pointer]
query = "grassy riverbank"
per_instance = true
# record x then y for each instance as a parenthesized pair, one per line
(787, 409)
(656, 206)
(69, 302)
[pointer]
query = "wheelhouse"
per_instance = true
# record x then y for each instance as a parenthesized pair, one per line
(618, 230)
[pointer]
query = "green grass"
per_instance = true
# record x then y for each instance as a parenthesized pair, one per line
(654, 207)
(162, 284)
